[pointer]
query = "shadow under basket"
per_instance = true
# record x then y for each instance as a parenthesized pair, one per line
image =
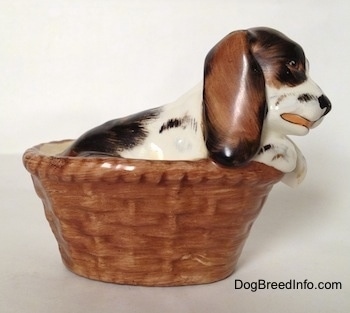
(142, 222)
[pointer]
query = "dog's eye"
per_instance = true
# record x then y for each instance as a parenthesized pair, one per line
(292, 71)
(292, 63)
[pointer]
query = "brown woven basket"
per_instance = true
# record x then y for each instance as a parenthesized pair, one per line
(140, 222)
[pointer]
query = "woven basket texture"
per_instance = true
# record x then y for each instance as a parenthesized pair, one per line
(154, 223)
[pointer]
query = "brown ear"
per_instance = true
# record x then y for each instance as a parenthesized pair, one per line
(234, 101)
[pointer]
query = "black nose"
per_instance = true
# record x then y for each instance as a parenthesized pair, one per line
(324, 103)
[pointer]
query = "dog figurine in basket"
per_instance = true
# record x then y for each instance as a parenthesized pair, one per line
(256, 91)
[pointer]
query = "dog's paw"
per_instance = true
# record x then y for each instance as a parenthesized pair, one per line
(280, 156)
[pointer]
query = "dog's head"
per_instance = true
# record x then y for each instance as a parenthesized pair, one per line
(248, 74)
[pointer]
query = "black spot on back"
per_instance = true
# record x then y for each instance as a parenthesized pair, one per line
(114, 136)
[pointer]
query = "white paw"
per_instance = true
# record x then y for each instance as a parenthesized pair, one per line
(280, 156)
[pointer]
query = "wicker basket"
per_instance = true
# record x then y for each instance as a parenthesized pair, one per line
(140, 222)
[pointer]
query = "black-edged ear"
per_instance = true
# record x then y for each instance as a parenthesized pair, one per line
(234, 102)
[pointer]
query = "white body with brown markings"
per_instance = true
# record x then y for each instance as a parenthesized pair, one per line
(256, 91)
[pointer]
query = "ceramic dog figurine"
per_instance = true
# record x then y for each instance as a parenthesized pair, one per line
(256, 90)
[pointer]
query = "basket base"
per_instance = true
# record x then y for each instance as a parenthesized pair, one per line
(159, 279)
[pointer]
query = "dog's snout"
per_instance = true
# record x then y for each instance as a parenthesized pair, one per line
(324, 103)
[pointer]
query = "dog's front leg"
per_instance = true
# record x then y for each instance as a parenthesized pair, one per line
(279, 153)
(295, 177)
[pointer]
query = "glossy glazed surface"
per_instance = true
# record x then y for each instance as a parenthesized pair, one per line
(142, 222)
(256, 91)
(168, 196)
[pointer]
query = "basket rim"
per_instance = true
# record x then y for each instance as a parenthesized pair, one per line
(79, 168)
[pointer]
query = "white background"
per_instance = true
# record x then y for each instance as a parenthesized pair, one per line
(67, 66)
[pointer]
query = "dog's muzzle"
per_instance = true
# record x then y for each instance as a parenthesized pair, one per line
(300, 120)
